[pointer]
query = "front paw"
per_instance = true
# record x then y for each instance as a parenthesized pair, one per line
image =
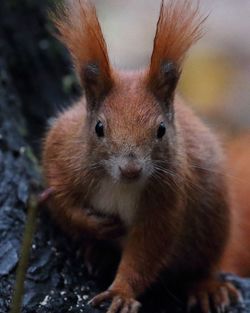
(213, 295)
(105, 227)
(119, 302)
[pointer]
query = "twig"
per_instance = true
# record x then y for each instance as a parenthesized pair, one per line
(24, 257)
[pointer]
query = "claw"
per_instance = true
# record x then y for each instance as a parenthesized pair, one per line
(235, 294)
(225, 301)
(240, 298)
(135, 307)
(120, 303)
(125, 309)
(44, 196)
(97, 300)
(213, 294)
(116, 305)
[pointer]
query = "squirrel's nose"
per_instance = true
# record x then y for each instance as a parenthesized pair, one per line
(131, 170)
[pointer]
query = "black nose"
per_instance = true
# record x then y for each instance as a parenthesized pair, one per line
(131, 170)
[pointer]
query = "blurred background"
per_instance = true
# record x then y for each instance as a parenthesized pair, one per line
(216, 76)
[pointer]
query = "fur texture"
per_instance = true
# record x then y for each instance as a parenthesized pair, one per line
(178, 28)
(80, 31)
(237, 255)
(176, 210)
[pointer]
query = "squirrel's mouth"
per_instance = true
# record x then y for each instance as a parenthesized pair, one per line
(130, 180)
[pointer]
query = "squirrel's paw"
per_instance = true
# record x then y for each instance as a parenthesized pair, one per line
(213, 295)
(105, 227)
(119, 302)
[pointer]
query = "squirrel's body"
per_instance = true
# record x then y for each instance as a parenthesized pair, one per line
(236, 258)
(131, 150)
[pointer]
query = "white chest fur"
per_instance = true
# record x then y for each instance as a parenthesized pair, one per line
(118, 199)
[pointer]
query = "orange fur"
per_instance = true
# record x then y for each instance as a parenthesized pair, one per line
(176, 213)
(237, 254)
(80, 31)
(178, 28)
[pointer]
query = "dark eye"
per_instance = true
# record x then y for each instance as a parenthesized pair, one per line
(161, 131)
(99, 129)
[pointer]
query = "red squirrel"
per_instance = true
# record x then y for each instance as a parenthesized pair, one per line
(130, 162)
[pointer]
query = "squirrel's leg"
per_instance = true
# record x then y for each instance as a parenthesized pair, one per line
(143, 258)
(84, 222)
(94, 231)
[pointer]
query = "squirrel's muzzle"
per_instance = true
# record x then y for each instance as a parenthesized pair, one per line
(131, 170)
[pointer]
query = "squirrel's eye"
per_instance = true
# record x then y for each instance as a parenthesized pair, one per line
(161, 131)
(99, 129)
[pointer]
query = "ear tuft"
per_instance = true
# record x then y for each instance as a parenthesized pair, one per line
(92, 78)
(80, 31)
(178, 28)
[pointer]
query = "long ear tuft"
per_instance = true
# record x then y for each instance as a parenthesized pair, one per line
(80, 31)
(178, 28)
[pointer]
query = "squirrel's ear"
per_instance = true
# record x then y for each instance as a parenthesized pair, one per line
(95, 83)
(80, 31)
(164, 83)
(178, 27)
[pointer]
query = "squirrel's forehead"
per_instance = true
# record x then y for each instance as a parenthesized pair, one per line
(131, 93)
(131, 136)
(132, 115)
(129, 105)
(132, 106)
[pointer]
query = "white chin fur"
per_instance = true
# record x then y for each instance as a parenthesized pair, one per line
(117, 199)
(118, 196)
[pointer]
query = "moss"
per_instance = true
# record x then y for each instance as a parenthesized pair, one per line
(31, 156)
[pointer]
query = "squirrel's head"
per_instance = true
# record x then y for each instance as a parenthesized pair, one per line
(131, 115)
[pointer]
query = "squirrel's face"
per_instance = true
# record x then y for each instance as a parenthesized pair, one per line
(130, 115)
(131, 131)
